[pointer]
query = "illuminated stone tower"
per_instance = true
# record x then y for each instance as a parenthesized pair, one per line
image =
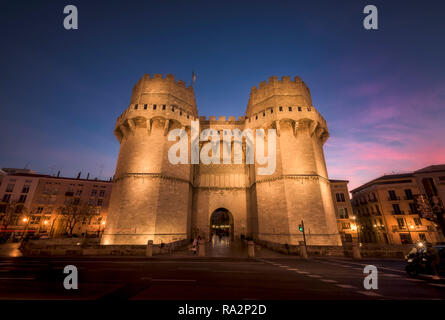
(151, 198)
(299, 189)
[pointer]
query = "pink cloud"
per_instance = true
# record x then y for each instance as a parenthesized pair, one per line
(389, 133)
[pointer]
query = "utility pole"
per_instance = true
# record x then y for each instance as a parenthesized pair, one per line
(303, 251)
(301, 228)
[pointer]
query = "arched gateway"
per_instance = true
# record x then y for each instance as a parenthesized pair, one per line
(221, 223)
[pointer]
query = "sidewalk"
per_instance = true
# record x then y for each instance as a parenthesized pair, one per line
(226, 248)
(10, 250)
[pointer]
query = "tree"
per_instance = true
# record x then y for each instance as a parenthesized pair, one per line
(72, 214)
(11, 210)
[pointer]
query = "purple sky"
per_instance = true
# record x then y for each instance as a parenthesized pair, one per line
(381, 92)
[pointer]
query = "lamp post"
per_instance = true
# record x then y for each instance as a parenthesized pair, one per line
(103, 228)
(357, 226)
(51, 231)
(25, 219)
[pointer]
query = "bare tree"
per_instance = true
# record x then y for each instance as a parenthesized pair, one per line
(73, 214)
(11, 210)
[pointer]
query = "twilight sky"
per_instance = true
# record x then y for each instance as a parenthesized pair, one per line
(381, 92)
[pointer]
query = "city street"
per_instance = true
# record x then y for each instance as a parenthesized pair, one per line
(184, 276)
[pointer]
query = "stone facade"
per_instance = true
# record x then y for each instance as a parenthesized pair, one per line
(153, 199)
(30, 204)
(346, 221)
(387, 212)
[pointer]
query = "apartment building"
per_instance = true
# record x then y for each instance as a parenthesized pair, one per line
(32, 203)
(346, 221)
(387, 212)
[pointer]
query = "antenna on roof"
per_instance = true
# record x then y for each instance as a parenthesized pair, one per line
(101, 166)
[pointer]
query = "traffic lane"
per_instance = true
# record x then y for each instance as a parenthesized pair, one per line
(228, 281)
(391, 285)
(208, 280)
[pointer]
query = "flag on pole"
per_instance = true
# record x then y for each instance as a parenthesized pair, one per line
(193, 77)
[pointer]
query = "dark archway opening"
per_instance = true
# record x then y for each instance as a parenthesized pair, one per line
(221, 224)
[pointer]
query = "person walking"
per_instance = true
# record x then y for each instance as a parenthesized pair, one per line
(195, 245)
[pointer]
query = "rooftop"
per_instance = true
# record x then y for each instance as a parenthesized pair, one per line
(433, 168)
(36, 175)
(384, 180)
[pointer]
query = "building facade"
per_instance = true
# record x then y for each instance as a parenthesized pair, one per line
(153, 199)
(346, 220)
(43, 205)
(431, 182)
(387, 212)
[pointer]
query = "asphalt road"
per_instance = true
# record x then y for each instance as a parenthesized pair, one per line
(185, 277)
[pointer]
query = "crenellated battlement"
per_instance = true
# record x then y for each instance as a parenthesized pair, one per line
(164, 90)
(273, 103)
(283, 92)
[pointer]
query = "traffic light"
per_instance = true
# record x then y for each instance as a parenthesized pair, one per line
(300, 227)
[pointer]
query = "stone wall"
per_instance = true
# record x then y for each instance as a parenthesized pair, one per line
(50, 248)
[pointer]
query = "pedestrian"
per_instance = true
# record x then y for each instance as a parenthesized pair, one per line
(195, 245)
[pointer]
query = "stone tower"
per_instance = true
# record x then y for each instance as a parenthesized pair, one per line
(151, 198)
(299, 189)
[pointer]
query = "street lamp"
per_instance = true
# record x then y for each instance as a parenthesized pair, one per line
(355, 227)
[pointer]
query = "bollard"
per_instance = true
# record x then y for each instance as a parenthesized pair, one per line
(201, 248)
(356, 251)
(251, 249)
(149, 249)
(303, 251)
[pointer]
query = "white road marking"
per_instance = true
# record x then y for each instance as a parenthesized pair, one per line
(386, 268)
(303, 272)
(369, 293)
(328, 280)
(345, 286)
(174, 280)
(292, 269)
(314, 276)
(437, 285)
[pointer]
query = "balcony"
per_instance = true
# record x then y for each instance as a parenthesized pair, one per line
(398, 212)
(372, 200)
(393, 198)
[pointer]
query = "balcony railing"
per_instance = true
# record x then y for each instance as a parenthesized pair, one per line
(393, 198)
(398, 212)
(412, 229)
